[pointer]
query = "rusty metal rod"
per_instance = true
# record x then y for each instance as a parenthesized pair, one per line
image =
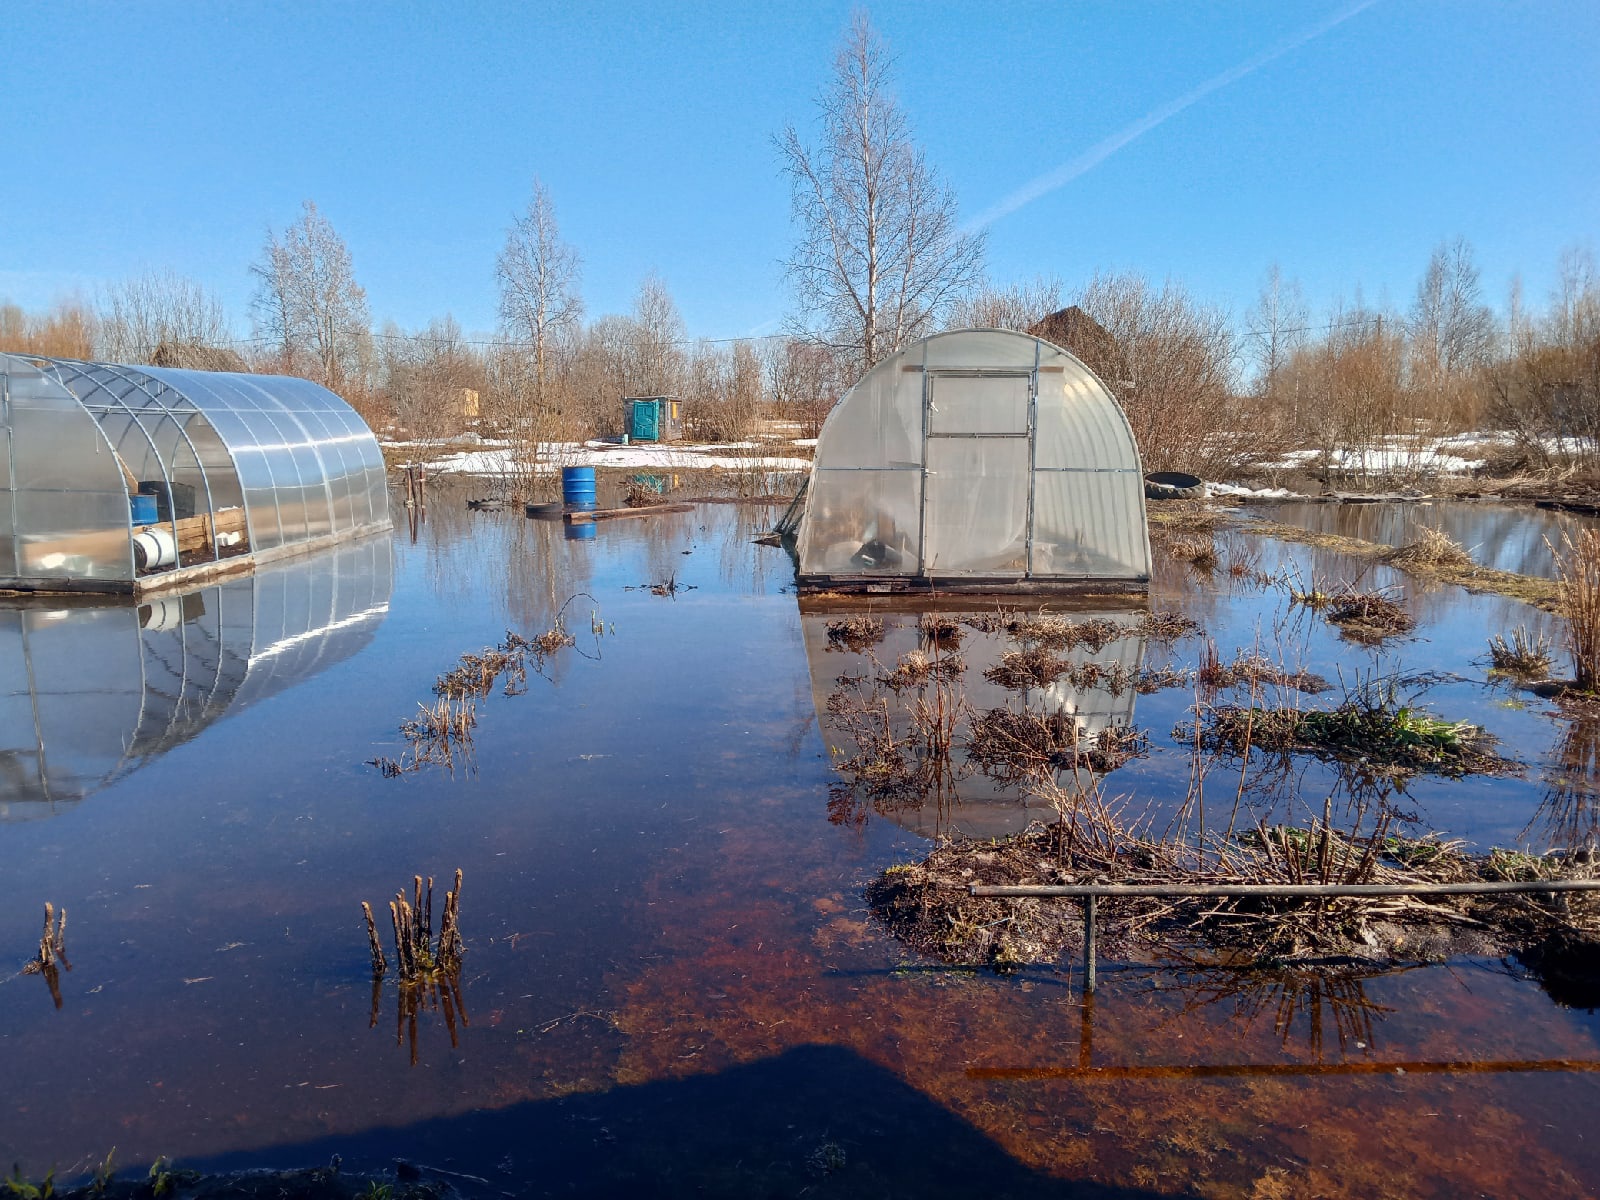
(1113, 890)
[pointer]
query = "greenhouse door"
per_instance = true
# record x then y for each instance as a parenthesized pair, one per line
(976, 473)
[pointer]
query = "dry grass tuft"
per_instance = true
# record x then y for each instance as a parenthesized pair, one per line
(916, 669)
(937, 627)
(1434, 549)
(1253, 669)
(1370, 726)
(855, 633)
(1011, 745)
(1527, 655)
(1199, 553)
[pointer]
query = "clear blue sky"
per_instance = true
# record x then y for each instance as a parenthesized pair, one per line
(150, 134)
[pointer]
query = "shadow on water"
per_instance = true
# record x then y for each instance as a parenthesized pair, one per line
(92, 692)
(813, 1121)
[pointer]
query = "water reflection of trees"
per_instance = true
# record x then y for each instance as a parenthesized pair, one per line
(1300, 1005)
(1568, 815)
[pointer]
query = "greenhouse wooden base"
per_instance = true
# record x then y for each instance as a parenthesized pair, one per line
(184, 578)
(966, 585)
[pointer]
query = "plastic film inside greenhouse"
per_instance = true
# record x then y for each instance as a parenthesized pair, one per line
(982, 459)
(127, 479)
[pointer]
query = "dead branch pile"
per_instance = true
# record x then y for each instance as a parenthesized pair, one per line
(1369, 616)
(927, 904)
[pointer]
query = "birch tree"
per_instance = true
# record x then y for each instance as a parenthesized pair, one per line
(308, 304)
(538, 275)
(880, 255)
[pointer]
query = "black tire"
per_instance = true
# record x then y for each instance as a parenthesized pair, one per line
(1174, 485)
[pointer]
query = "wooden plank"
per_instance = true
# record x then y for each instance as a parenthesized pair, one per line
(613, 514)
(195, 533)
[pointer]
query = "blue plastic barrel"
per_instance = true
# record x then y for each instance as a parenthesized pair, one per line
(144, 508)
(581, 531)
(577, 487)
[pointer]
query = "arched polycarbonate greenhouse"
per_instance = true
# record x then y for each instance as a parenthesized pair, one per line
(136, 479)
(977, 460)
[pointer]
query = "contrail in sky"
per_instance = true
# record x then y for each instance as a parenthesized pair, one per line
(1097, 154)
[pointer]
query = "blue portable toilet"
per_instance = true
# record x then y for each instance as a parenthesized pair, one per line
(651, 419)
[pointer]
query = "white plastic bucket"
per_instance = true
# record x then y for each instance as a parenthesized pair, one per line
(154, 548)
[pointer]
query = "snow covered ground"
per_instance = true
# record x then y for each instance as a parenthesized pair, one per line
(498, 458)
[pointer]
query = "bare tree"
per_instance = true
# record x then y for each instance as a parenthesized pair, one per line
(1277, 328)
(308, 303)
(1170, 360)
(1451, 330)
(1020, 306)
(655, 358)
(538, 274)
(159, 311)
(804, 379)
(68, 329)
(880, 256)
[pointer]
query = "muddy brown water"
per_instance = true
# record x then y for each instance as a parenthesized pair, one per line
(673, 985)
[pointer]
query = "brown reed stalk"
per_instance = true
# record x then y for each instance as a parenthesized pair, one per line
(417, 957)
(1578, 569)
(380, 964)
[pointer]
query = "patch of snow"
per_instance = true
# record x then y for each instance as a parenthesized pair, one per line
(1244, 493)
(649, 457)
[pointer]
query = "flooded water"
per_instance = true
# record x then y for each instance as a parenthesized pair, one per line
(1507, 537)
(673, 985)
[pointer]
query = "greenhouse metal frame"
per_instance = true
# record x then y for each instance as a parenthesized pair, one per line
(137, 479)
(979, 460)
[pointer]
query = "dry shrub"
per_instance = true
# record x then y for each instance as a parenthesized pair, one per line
(1432, 548)
(1578, 569)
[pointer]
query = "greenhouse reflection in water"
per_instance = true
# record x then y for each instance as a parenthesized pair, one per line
(89, 692)
(966, 798)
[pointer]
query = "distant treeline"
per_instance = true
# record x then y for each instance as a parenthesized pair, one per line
(1205, 390)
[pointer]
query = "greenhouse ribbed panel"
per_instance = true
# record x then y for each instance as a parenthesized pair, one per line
(980, 459)
(130, 479)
